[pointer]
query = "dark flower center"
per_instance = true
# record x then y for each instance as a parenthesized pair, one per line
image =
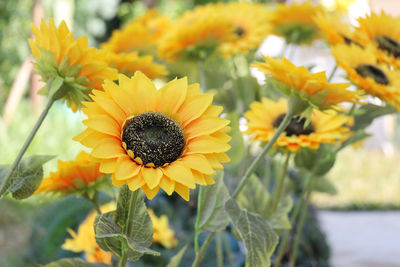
(366, 70)
(296, 126)
(239, 31)
(154, 138)
(349, 41)
(389, 45)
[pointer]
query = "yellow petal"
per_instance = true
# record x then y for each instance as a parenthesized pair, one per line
(145, 90)
(207, 144)
(183, 191)
(152, 176)
(90, 138)
(199, 163)
(192, 109)
(108, 165)
(199, 178)
(120, 95)
(150, 193)
(172, 95)
(109, 148)
(126, 168)
(103, 124)
(180, 173)
(136, 183)
(106, 103)
(167, 185)
(205, 126)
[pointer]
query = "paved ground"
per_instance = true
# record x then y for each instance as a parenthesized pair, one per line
(363, 239)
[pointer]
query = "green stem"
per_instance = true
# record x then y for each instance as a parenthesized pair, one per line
(228, 250)
(279, 189)
(220, 255)
(94, 201)
(302, 220)
(332, 73)
(351, 111)
(202, 76)
(285, 239)
(203, 250)
(197, 225)
(285, 122)
(7, 179)
(128, 224)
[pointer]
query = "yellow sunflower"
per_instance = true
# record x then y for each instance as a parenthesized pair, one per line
(58, 54)
(334, 30)
(364, 71)
(295, 22)
(383, 32)
(197, 34)
(84, 240)
(312, 88)
(170, 138)
(141, 34)
(129, 63)
(325, 127)
(163, 234)
(78, 176)
(250, 24)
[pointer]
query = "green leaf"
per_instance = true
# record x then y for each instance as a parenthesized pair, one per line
(255, 198)
(74, 262)
(364, 115)
(27, 177)
(357, 136)
(323, 185)
(256, 233)
(175, 260)
(238, 147)
(318, 161)
(213, 216)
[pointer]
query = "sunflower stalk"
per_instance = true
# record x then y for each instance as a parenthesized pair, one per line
(7, 179)
(220, 254)
(203, 250)
(332, 73)
(197, 225)
(279, 189)
(94, 200)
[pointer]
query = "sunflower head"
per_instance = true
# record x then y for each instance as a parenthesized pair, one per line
(67, 63)
(363, 70)
(295, 22)
(311, 88)
(334, 30)
(81, 176)
(263, 119)
(171, 138)
(163, 234)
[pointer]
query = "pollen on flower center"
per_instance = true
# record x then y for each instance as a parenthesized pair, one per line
(389, 45)
(154, 138)
(239, 31)
(366, 70)
(296, 126)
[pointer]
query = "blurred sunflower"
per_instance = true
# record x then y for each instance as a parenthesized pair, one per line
(82, 68)
(295, 22)
(196, 34)
(250, 24)
(325, 127)
(129, 63)
(383, 32)
(364, 71)
(163, 234)
(81, 176)
(170, 138)
(141, 34)
(84, 240)
(312, 88)
(334, 30)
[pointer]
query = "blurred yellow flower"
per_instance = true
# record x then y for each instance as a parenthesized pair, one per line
(58, 54)
(325, 127)
(147, 138)
(334, 30)
(78, 176)
(163, 234)
(312, 88)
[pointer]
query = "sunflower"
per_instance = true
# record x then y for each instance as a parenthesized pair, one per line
(334, 30)
(163, 234)
(84, 240)
(129, 63)
(325, 127)
(196, 34)
(312, 88)
(250, 24)
(79, 176)
(295, 22)
(363, 70)
(170, 138)
(141, 34)
(82, 68)
(383, 32)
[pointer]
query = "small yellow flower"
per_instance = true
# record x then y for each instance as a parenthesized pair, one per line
(82, 68)
(295, 22)
(78, 176)
(84, 240)
(163, 234)
(312, 88)
(363, 70)
(147, 138)
(328, 127)
(334, 30)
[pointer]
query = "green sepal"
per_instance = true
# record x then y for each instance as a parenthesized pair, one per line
(175, 260)
(354, 138)
(297, 33)
(27, 177)
(323, 185)
(74, 262)
(364, 115)
(319, 161)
